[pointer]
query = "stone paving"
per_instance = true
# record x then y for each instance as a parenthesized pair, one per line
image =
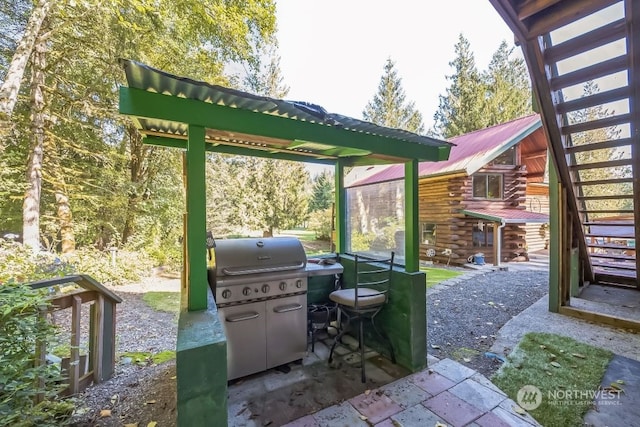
(447, 393)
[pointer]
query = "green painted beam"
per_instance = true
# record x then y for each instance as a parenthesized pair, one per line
(341, 208)
(238, 151)
(196, 220)
(554, 240)
(140, 103)
(411, 232)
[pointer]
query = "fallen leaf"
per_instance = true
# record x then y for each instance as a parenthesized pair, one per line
(542, 346)
(367, 392)
(484, 337)
(440, 425)
(555, 365)
(579, 356)
(363, 418)
(152, 424)
(549, 373)
(173, 377)
(150, 402)
(616, 386)
(105, 413)
(552, 356)
(114, 399)
(620, 381)
(435, 346)
(131, 425)
(518, 410)
(489, 323)
(466, 359)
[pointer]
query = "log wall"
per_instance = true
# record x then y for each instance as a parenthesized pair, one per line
(442, 200)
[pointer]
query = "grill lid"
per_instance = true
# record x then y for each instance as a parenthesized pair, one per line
(235, 257)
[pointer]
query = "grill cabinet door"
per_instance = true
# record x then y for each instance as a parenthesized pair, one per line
(244, 326)
(286, 330)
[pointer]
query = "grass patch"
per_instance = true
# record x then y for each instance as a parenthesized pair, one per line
(163, 301)
(145, 357)
(554, 364)
(437, 275)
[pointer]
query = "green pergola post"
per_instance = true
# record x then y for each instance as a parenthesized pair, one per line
(196, 220)
(341, 208)
(411, 232)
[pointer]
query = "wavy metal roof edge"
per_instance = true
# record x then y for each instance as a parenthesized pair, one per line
(311, 112)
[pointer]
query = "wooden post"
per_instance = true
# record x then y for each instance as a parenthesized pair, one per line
(341, 208)
(74, 363)
(97, 350)
(411, 234)
(196, 256)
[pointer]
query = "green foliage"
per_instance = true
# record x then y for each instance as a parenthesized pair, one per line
(130, 266)
(385, 238)
(322, 192)
(19, 264)
(22, 329)
(476, 100)
(320, 223)
(437, 275)
(144, 358)
(361, 241)
(389, 106)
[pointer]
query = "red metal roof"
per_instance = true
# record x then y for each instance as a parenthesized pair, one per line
(471, 151)
(509, 216)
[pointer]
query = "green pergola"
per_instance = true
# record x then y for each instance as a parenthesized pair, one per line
(197, 117)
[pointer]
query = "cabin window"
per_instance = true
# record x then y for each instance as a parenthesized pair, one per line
(487, 186)
(428, 233)
(508, 158)
(483, 236)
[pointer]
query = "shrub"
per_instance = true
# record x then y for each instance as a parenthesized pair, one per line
(320, 223)
(22, 328)
(129, 266)
(361, 241)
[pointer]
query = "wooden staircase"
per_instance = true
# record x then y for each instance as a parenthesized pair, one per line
(584, 61)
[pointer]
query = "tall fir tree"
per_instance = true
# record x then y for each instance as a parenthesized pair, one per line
(462, 109)
(508, 87)
(389, 106)
(322, 191)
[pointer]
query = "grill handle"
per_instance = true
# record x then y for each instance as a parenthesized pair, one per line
(242, 316)
(240, 272)
(287, 308)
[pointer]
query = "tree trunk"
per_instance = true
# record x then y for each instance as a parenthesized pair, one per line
(139, 173)
(65, 220)
(31, 205)
(13, 79)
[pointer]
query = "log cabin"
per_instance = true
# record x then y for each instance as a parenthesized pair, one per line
(489, 198)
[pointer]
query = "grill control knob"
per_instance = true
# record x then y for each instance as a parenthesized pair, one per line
(298, 283)
(265, 288)
(226, 293)
(283, 286)
(246, 291)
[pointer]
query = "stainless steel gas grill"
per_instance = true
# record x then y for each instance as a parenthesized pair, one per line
(260, 288)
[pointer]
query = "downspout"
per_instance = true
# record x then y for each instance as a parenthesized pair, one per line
(498, 240)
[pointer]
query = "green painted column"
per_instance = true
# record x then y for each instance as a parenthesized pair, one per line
(554, 239)
(411, 234)
(341, 208)
(196, 220)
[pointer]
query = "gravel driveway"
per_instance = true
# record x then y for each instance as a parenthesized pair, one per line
(464, 318)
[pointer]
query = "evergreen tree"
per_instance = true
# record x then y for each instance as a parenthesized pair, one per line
(389, 106)
(322, 192)
(508, 87)
(592, 138)
(461, 110)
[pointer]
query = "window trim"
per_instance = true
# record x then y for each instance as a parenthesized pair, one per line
(486, 177)
(434, 233)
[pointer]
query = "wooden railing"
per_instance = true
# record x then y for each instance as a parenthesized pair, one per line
(102, 329)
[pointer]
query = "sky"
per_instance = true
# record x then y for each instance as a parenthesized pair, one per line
(333, 51)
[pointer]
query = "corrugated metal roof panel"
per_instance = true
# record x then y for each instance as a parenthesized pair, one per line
(143, 77)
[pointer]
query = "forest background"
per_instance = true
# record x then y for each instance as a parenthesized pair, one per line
(75, 177)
